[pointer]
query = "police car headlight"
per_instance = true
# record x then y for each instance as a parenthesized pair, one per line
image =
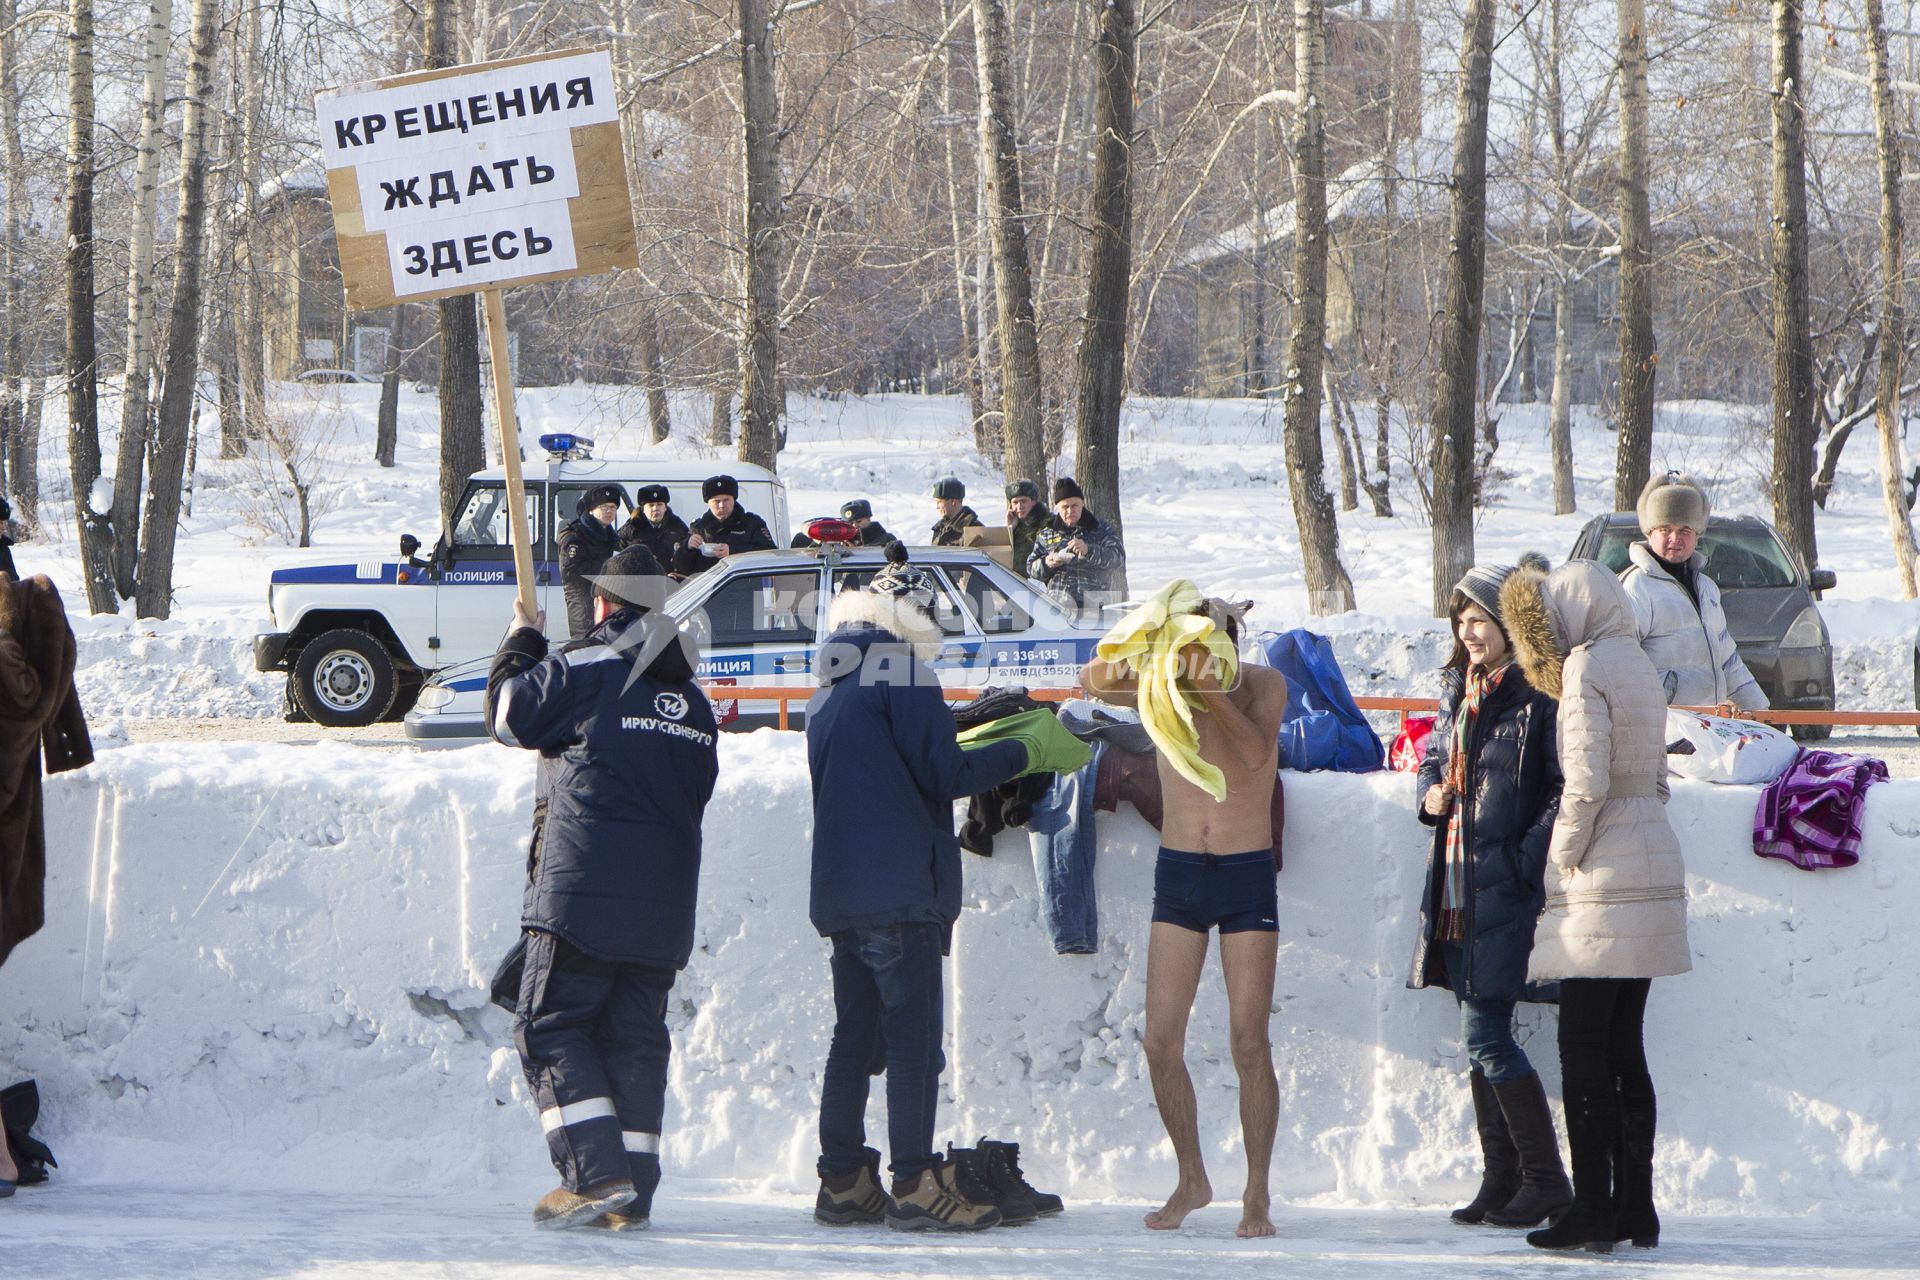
(433, 697)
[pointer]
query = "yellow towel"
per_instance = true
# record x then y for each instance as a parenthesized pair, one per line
(1149, 640)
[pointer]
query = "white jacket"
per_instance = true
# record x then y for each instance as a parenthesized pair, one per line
(1690, 648)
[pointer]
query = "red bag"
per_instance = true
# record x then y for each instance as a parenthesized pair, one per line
(1410, 744)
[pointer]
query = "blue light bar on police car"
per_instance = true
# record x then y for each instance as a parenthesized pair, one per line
(566, 444)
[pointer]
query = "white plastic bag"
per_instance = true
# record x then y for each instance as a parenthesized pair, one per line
(1724, 750)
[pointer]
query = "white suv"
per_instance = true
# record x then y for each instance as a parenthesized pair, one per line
(358, 639)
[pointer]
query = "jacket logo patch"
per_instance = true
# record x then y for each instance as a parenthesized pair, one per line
(672, 706)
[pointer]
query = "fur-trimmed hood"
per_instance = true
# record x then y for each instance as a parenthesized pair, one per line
(1547, 616)
(854, 612)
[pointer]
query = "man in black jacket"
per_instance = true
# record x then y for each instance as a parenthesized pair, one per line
(586, 543)
(628, 761)
(654, 526)
(726, 528)
(1075, 555)
(949, 503)
(1026, 517)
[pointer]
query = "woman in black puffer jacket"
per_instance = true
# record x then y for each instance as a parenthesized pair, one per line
(1490, 787)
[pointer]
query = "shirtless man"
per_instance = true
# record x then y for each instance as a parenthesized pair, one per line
(1215, 868)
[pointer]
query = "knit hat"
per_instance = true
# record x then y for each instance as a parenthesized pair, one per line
(856, 509)
(1673, 499)
(713, 486)
(1481, 585)
(1023, 489)
(1065, 488)
(901, 580)
(650, 493)
(949, 487)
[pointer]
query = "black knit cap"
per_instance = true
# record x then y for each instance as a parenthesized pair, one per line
(1065, 488)
(650, 493)
(713, 486)
(949, 487)
(856, 509)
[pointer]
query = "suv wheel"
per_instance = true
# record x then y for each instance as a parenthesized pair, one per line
(344, 679)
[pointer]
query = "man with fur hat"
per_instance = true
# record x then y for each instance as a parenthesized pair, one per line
(1026, 517)
(654, 526)
(949, 500)
(1676, 606)
(726, 529)
(886, 889)
(1074, 554)
(586, 543)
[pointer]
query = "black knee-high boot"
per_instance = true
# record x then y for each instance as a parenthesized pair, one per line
(1633, 1213)
(1591, 1118)
(1499, 1162)
(1543, 1179)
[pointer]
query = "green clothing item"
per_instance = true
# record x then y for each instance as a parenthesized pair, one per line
(1050, 748)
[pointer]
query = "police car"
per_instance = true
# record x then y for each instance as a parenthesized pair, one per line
(765, 614)
(358, 640)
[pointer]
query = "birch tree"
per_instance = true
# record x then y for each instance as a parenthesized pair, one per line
(1639, 358)
(154, 596)
(1893, 320)
(82, 365)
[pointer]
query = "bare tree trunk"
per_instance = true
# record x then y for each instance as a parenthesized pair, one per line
(1329, 590)
(1560, 416)
(759, 337)
(463, 448)
(134, 403)
(1893, 319)
(1379, 489)
(1022, 425)
(1103, 342)
(25, 455)
(653, 374)
(1639, 358)
(1793, 377)
(720, 417)
(986, 434)
(1455, 396)
(386, 431)
(154, 599)
(13, 369)
(83, 369)
(247, 291)
(1339, 414)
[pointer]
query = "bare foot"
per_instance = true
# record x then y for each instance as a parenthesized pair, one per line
(1254, 1222)
(1185, 1199)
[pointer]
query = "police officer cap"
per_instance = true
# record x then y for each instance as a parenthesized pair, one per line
(600, 495)
(949, 487)
(856, 509)
(713, 486)
(650, 493)
(1023, 489)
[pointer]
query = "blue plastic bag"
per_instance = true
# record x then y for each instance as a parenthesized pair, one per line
(1323, 728)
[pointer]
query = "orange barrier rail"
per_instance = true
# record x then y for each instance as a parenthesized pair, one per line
(787, 695)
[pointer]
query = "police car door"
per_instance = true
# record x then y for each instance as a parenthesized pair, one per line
(763, 626)
(958, 663)
(473, 593)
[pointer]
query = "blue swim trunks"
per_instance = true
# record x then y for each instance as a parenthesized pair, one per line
(1235, 891)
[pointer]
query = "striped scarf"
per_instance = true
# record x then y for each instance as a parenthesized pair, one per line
(1453, 901)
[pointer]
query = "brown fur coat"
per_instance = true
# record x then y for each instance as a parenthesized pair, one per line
(39, 713)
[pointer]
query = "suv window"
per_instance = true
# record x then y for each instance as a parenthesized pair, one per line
(1736, 557)
(480, 526)
(566, 501)
(761, 608)
(946, 610)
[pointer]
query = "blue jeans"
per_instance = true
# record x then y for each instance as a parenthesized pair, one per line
(887, 1005)
(1487, 1028)
(1062, 834)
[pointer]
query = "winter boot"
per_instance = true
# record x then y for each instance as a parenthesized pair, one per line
(973, 1175)
(928, 1201)
(1633, 1214)
(1588, 1223)
(1543, 1179)
(561, 1208)
(1500, 1163)
(1003, 1169)
(621, 1221)
(852, 1199)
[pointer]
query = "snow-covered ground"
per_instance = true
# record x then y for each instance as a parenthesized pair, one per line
(257, 1015)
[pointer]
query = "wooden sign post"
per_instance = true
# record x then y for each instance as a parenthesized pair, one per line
(471, 179)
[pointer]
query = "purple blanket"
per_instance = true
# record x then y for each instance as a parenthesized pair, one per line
(1810, 815)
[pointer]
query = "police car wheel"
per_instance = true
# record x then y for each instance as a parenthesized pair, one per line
(344, 679)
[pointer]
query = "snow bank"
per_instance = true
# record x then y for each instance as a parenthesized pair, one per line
(264, 965)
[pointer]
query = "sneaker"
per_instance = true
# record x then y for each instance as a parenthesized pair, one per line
(1003, 1170)
(851, 1199)
(928, 1201)
(972, 1174)
(617, 1221)
(561, 1208)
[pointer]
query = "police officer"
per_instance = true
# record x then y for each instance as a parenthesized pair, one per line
(629, 758)
(654, 526)
(587, 542)
(1074, 554)
(726, 528)
(949, 500)
(1026, 516)
(859, 513)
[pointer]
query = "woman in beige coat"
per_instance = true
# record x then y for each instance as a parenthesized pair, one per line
(1616, 913)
